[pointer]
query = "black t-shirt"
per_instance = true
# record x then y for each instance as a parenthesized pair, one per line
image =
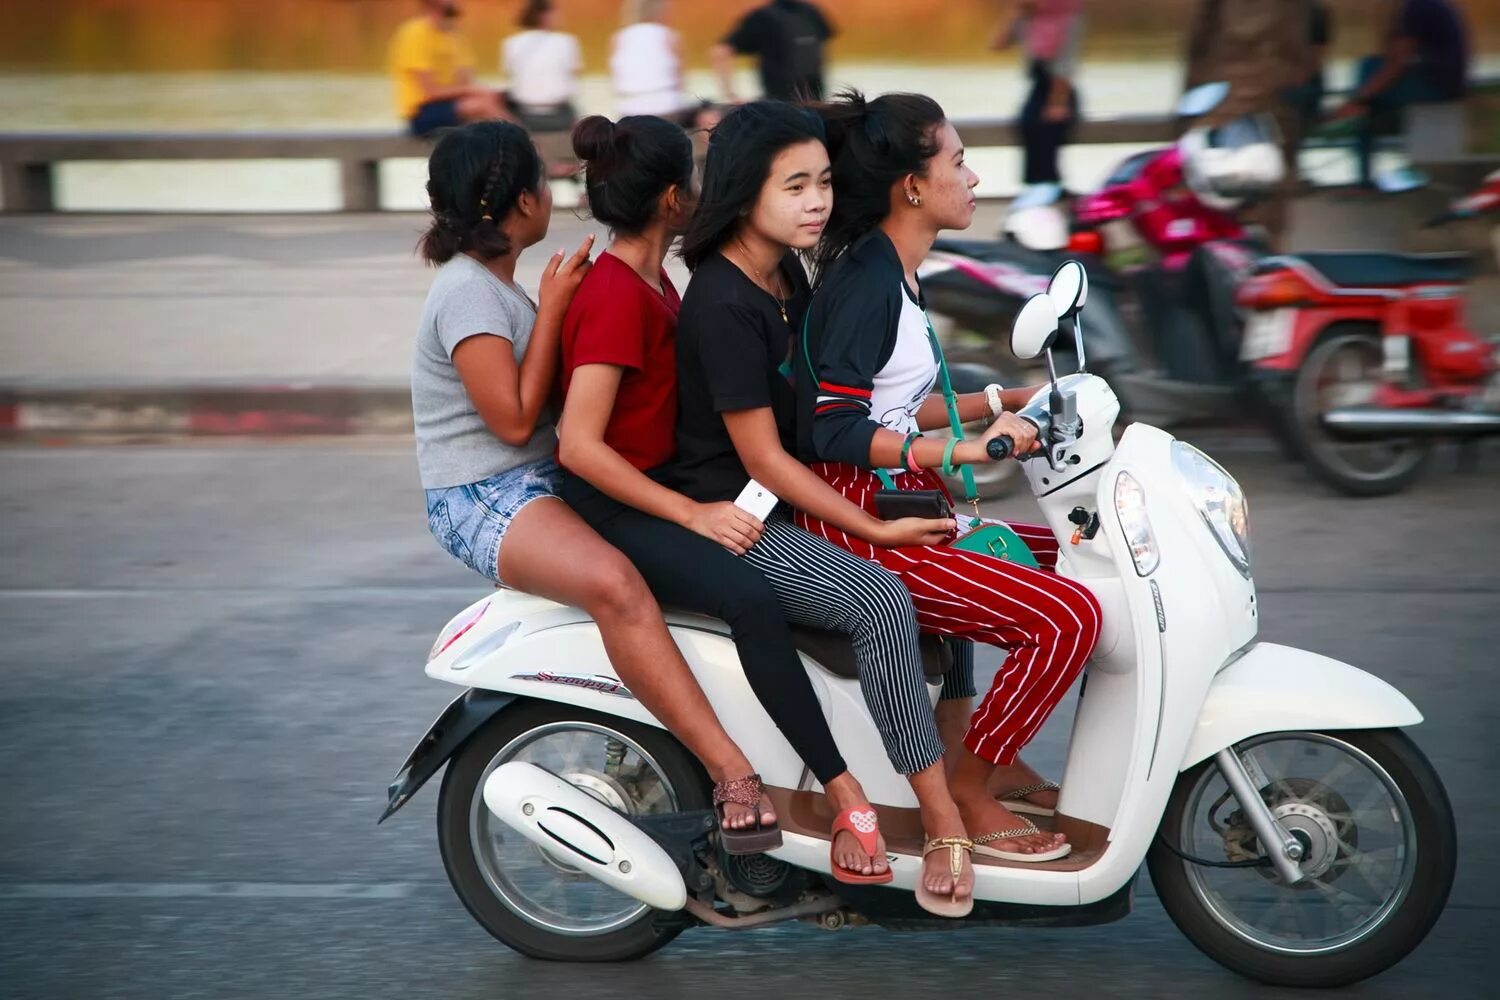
(733, 353)
(788, 37)
(1442, 44)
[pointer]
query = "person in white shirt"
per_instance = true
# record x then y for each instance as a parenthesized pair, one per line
(645, 66)
(541, 64)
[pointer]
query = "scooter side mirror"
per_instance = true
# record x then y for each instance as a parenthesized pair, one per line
(1069, 289)
(1035, 327)
(1202, 99)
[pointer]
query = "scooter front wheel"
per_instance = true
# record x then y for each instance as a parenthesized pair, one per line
(528, 898)
(1379, 852)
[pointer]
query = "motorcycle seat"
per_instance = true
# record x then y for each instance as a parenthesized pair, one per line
(834, 652)
(1384, 270)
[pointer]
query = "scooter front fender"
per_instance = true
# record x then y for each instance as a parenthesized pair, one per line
(1271, 689)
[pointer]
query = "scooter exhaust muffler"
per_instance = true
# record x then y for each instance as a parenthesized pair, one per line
(579, 830)
(1375, 422)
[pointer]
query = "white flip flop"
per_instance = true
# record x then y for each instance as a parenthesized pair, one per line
(1021, 831)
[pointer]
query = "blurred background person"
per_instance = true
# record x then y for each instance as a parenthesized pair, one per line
(787, 37)
(1426, 60)
(541, 65)
(645, 68)
(432, 68)
(1262, 49)
(1050, 33)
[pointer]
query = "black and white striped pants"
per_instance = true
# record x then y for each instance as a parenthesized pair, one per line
(788, 575)
(823, 586)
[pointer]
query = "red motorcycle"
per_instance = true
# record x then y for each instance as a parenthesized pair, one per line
(1367, 359)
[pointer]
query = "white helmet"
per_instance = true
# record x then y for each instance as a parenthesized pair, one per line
(1227, 165)
(1035, 219)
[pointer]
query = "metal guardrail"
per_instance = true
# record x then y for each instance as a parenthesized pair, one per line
(27, 159)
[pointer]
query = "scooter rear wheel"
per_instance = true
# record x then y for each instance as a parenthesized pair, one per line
(527, 898)
(1379, 854)
(1343, 369)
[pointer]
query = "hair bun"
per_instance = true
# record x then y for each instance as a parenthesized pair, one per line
(595, 138)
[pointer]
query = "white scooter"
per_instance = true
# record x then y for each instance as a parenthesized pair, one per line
(1293, 832)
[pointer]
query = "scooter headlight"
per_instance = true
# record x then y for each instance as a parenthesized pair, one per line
(1219, 500)
(1130, 507)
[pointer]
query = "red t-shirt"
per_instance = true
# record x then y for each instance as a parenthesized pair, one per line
(618, 319)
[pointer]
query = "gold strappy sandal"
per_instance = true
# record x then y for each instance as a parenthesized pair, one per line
(1016, 802)
(1026, 830)
(951, 906)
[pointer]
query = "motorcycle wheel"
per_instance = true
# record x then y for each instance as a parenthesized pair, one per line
(1379, 854)
(525, 897)
(1343, 369)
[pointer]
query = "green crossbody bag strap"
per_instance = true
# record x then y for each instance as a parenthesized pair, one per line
(971, 492)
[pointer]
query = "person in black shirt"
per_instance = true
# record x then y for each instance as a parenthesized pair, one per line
(766, 193)
(1426, 60)
(788, 37)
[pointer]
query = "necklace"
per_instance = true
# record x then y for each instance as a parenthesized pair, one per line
(763, 283)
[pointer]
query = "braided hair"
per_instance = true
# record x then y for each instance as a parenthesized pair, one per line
(475, 175)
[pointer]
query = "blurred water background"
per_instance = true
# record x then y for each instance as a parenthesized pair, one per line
(249, 65)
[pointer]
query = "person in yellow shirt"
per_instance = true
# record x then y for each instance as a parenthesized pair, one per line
(433, 71)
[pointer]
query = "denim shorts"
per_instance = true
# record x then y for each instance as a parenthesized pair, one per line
(470, 521)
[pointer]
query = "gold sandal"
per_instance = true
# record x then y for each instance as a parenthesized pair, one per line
(1027, 829)
(1016, 801)
(952, 906)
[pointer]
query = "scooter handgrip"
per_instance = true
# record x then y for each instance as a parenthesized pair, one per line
(1000, 448)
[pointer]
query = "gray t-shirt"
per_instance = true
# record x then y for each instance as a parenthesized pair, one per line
(454, 447)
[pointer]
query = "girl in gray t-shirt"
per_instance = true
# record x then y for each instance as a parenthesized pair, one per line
(484, 369)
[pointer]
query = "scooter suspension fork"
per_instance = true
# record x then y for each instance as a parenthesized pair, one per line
(1284, 850)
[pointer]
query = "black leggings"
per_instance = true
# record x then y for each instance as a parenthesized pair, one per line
(685, 570)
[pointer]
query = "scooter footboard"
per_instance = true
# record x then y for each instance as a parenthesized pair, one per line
(1273, 688)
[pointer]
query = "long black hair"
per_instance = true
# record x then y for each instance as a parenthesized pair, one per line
(872, 145)
(628, 165)
(475, 175)
(740, 152)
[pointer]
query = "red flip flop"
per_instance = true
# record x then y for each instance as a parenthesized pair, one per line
(866, 829)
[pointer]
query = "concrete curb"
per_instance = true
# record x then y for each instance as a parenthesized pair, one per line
(34, 410)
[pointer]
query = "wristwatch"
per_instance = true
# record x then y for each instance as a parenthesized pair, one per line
(992, 397)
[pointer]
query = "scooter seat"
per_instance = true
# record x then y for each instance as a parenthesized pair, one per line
(1385, 270)
(834, 652)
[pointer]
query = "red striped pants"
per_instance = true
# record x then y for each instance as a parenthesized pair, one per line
(1049, 623)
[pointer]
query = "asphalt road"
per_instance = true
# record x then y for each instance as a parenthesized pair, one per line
(212, 665)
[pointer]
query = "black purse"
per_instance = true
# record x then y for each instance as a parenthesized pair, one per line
(892, 505)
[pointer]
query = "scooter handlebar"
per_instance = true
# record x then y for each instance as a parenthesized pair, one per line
(1000, 447)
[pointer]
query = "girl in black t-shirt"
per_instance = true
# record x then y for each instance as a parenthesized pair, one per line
(767, 193)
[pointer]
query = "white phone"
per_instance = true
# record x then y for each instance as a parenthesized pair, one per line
(756, 500)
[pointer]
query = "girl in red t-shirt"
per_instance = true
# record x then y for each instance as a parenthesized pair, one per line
(616, 441)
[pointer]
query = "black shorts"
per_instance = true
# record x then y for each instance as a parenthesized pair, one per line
(435, 115)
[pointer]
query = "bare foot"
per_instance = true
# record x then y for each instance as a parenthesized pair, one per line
(982, 815)
(738, 816)
(848, 855)
(1007, 778)
(937, 871)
